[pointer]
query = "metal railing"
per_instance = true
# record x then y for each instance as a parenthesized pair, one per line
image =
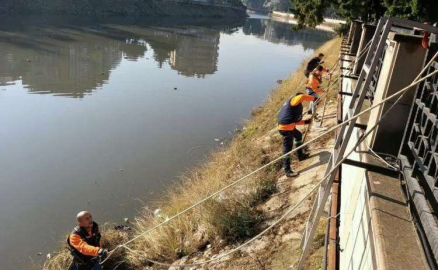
(419, 157)
(375, 79)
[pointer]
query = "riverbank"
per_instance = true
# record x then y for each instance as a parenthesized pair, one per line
(126, 8)
(240, 212)
(328, 25)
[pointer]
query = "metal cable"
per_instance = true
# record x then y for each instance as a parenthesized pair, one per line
(400, 92)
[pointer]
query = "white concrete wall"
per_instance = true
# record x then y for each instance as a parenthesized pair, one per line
(361, 246)
(354, 231)
(356, 248)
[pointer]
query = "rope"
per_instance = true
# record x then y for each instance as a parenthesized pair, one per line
(314, 112)
(364, 136)
(268, 164)
(333, 67)
(290, 210)
(402, 91)
(361, 54)
(379, 157)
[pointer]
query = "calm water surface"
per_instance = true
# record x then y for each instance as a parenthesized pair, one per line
(104, 115)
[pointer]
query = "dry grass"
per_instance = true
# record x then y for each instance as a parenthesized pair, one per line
(230, 217)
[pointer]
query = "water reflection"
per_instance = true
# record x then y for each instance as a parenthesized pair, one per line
(61, 57)
(62, 155)
(281, 33)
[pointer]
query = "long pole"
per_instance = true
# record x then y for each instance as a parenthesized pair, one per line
(325, 101)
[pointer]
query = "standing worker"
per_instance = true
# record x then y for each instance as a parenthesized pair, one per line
(313, 87)
(289, 117)
(313, 63)
(85, 245)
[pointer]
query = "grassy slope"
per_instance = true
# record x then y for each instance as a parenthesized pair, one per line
(228, 218)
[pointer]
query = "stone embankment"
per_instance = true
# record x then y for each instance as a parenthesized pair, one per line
(143, 8)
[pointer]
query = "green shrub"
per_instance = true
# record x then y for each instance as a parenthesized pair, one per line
(264, 191)
(236, 222)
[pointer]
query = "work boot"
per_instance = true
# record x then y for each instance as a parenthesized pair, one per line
(291, 174)
(301, 155)
(286, 164)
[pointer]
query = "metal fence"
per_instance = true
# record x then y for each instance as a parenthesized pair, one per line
(419, 155)
(373, 85)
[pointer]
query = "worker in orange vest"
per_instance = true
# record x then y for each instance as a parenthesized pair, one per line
(289, 117)
(85, 245)
(313, 87)
(313, 63)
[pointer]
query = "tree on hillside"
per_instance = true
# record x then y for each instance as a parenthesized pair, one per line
(311, 12)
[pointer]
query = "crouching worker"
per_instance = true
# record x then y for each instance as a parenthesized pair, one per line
(313, 87)
(85, 245)
(313, 63)
(288, 118)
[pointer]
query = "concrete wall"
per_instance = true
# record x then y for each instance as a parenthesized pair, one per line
(375, 229)
(356, 251)
(402, 63)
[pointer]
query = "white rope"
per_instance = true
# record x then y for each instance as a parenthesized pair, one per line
(362, 53)
(290, 210)
(402, 91)
(380, 158)
(415, 82)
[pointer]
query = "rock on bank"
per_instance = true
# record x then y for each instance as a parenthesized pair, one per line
(148, 8)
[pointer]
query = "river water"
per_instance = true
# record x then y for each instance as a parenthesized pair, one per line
(104, 115)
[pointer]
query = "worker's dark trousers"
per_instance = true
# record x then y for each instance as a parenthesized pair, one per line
(288, 144)
(312, 105)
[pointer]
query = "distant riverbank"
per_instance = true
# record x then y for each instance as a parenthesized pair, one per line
(139, 8)
(328, 24)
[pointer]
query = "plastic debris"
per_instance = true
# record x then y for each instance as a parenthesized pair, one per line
(157, 212)
(122, 228)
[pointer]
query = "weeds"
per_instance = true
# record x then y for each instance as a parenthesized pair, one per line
(234, 223)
